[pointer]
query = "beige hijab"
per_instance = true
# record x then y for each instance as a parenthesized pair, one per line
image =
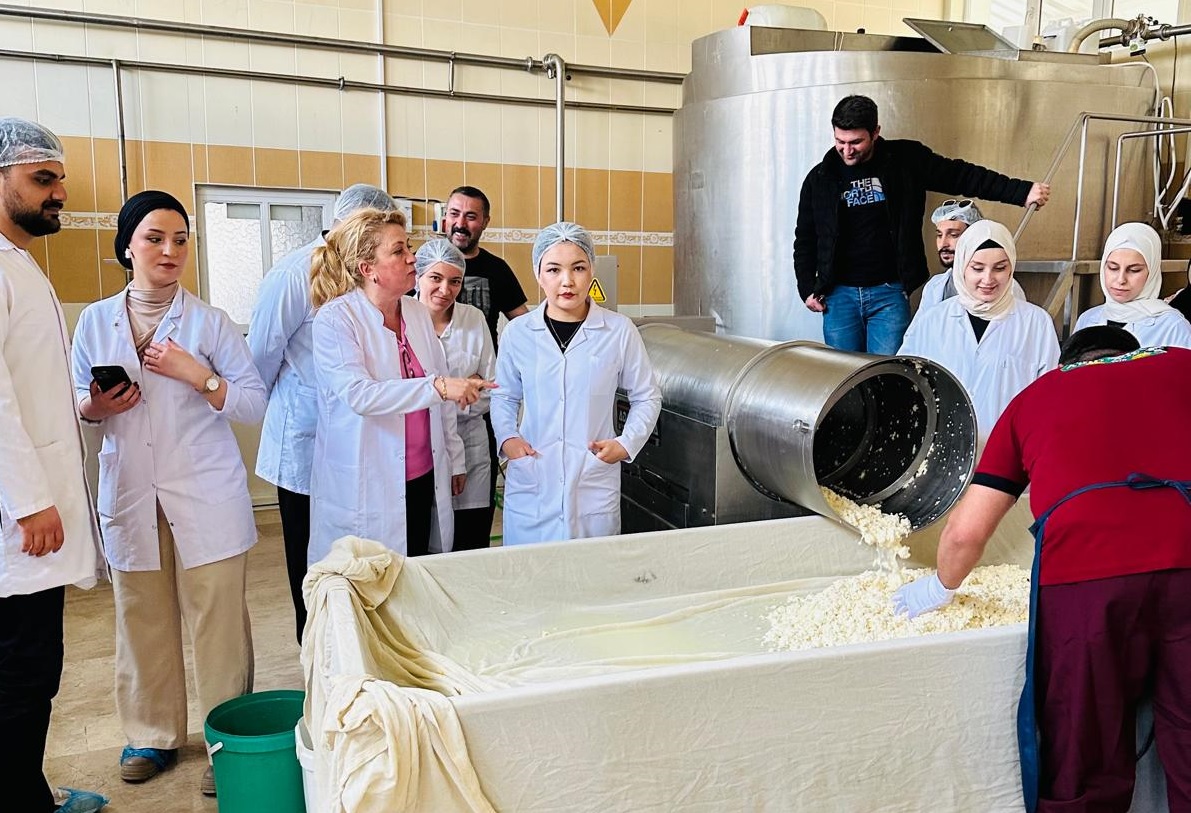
(146, 308)
(968, 244)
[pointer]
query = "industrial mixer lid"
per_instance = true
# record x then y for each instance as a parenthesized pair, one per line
(961, 38)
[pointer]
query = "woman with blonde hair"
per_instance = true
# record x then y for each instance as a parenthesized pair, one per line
(387, 455)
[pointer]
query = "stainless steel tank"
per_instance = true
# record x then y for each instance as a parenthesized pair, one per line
(756, 117)
(751, 429)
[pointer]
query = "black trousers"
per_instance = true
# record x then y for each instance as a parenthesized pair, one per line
(419, 508)
(295, 529)
(473, 528)
(30, 671)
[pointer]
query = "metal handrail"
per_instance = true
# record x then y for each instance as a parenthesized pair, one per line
(1116, 177)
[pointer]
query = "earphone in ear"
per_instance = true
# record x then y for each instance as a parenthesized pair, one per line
(128, 253)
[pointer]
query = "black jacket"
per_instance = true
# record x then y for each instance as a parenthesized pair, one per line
(907, 169)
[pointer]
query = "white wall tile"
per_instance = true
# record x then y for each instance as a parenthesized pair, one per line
(58, 38)
(658, 95)
(664, 56)
(557, 17)
(626, 141)
(323, 64)
(229, 111)
(658, 143)
(111, 43)
(476, 79)
(360, 123)
(164, 100)
(520, 43)
(168, 48)
(478, 39)
(196, 108)
(529, 85)
(584, 88)
(224, 54)
(520, 135)
(361, 67)
(106, 6)
(627, 54)
(406, 72)
(561, 44)
(271, 15)
(412, 8)
(588, 21)
(58, 98)
(319, 111)
(592, 51)
(274, 116)
(318, 20)
(592, 140)
(357, 25)
(626, 91)
(445, 127)
(272, 58)
(403, 30)
(444, 10)
(440, 35)
(19, 81)
(482, 133)
(16, 34)
(193, 10)
(233, 13)
(406, 117)
(101, 92)
(160, 9)
(521, 13)
(631, 27)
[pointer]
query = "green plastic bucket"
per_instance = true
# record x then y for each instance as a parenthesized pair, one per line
(251, 743)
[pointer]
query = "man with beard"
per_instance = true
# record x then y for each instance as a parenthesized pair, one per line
(47, 530)
(951, 219)
(858, 252)
(488, 283)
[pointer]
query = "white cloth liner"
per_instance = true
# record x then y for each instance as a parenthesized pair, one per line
(627, 674)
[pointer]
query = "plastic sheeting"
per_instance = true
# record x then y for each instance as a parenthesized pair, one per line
(627, 674)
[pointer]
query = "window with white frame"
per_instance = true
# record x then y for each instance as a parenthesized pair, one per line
(1002, 14)
(243, 231)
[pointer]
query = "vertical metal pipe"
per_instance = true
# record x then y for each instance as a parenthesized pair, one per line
(1083, 155)
(121, 146)
(382, 101)
(556, 68)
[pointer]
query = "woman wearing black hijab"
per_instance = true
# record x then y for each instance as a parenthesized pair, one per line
(164, 374)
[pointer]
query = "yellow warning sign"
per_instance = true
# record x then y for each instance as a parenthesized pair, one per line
(596, 292)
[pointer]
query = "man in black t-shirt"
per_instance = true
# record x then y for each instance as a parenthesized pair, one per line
(858, 251)
(488, 283)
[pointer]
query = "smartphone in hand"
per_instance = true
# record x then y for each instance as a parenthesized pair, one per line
(110, 376)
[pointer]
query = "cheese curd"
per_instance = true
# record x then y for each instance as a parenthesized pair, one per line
(859, 609)
(885, 532)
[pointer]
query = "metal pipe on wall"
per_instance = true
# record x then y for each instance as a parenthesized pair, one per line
(382, 99)
(337, 84)
(556, 68)
(326, 43)
(121, 140)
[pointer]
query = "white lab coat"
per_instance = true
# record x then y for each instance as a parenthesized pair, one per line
(357, 486)
(279, 337)
(1167, 329)
(566, 492)
(41, 449)
(1013, 353)
(932, 292)
(468, 346)
(173, 447)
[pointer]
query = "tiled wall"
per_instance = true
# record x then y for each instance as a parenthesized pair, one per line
(184, 130)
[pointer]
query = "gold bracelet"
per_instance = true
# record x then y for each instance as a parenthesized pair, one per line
(440, 386)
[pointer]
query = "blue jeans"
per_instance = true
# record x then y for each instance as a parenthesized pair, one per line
(872, 319)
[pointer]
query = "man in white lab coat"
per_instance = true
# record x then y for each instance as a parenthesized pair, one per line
(282, 349)
(47, 529)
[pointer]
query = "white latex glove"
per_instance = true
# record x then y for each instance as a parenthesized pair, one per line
(921, 596)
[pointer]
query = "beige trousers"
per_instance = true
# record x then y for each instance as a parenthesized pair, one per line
(150, 671)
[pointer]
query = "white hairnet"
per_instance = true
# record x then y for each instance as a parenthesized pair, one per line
(562, 232)
(1146, 242)
(965, 248)
(435, 252)
(965, 211)
(362, 196)
(27, 142)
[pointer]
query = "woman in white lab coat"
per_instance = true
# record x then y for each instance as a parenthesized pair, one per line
(466, 340)
(387, 456)
(563, 363)
(993, 342)
(1131, 278)
(174, 506)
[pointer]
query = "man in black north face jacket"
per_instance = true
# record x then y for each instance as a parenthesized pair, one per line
(858, 250)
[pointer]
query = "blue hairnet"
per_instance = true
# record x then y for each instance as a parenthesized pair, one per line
(362, 196)
(435, 252)
(27, 142)
(562, 232)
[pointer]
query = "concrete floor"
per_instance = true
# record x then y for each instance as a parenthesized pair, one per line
(85, 736)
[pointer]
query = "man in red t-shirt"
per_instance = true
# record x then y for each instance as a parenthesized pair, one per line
(1113, 617)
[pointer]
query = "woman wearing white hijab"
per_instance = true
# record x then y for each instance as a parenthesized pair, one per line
(993, 342)
(1131, 278)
